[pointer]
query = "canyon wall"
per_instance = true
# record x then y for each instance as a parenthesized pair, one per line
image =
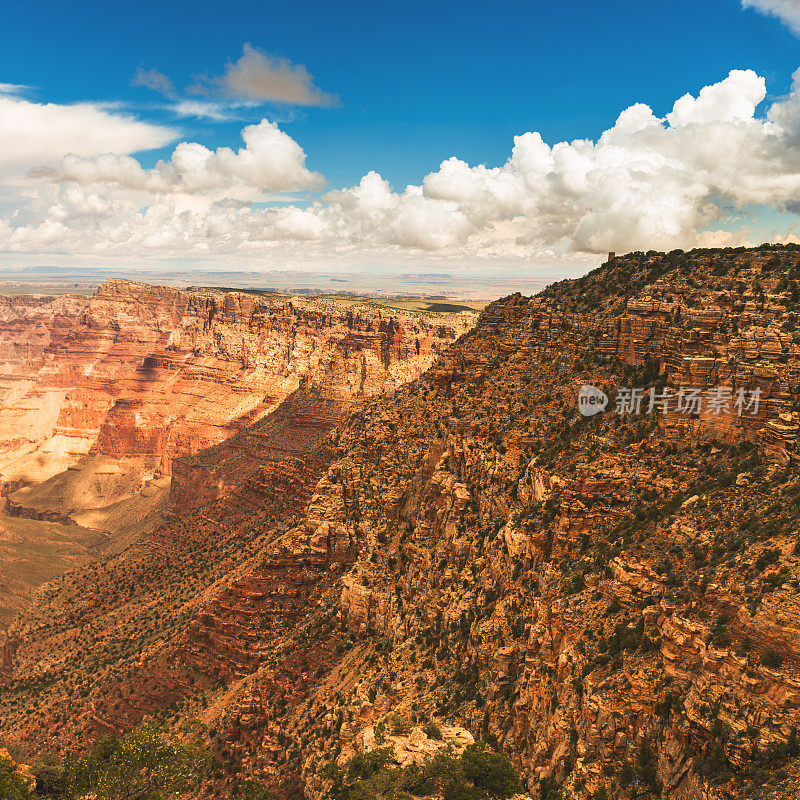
(154, 372)
(107, 401)
(614, 600)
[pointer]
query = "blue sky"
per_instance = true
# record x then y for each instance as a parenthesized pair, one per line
(418, 81)
(415, 83)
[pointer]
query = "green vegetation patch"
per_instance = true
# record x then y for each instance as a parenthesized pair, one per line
(478, 774)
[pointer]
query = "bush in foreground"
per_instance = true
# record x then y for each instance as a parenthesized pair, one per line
(144, 763)
(12, 785)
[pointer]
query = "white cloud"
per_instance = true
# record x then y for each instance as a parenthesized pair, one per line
(263, 77)
(12, 88)
(788, 11)
(200, 109)
(270, 161)
(732, 100)
(647, 182)
(41, 133)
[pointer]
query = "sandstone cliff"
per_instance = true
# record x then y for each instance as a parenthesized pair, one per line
(144, 371)
(100, 396)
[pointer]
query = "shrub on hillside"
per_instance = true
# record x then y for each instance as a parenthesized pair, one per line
(478, 774)
(401, 724)
(146, 762)
(491, 771)
(432, 730)
(12, 785)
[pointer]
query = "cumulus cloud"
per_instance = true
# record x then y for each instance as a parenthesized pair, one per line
(646, 182)
(788, 11)
(270, 161)
(41, 133)
(262, 77)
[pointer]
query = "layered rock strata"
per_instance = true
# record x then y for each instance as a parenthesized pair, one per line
(613, 599)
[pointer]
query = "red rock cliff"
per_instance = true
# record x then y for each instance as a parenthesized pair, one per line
(154, 372)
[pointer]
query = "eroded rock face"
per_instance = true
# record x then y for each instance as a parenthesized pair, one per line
(614, 600)
(146, 374)
(158, 373)
(111, 406)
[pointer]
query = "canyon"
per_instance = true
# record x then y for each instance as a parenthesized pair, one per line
(107, 400)
(418, 524)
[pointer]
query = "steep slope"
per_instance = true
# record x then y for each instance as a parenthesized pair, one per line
(33, 552)
(99, 396)
(613, 599)
(132, 610)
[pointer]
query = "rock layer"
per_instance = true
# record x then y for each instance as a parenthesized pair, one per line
(100, 396)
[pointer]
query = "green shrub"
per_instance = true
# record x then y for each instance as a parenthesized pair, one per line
(714, 764)
(626, 775)
(253, 790)
(550, 790)
(380, 732)
(478, 774)
(647, 766)
(720, 637)
(401, 724)
(12, 785)
(490, 771)
(459, 789)
(144, 763)
(365, 765)
(432, 731)
(772, 660)
(49, 779)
